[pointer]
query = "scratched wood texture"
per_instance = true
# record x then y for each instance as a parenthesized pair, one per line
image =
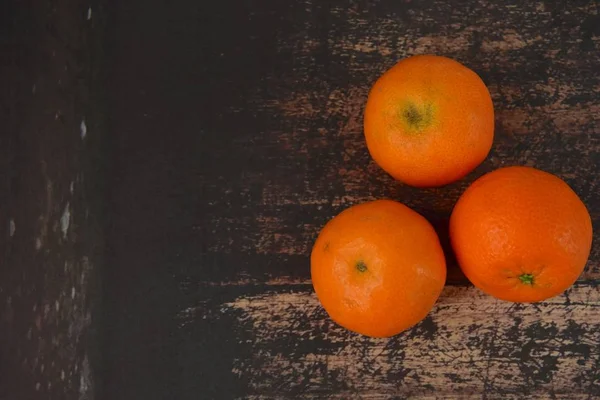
(51, 190)
(238, 134)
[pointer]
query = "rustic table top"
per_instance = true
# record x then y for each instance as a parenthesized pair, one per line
(238, 134)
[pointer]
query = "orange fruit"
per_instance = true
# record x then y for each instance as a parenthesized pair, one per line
(378, 268)
(521, 234)
(429, 121)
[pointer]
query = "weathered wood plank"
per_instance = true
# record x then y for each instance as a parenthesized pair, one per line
(52, 138)
(471, 345)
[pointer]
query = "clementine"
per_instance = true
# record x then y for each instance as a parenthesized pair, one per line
(429, 121)
(378, 268)
(521, 234)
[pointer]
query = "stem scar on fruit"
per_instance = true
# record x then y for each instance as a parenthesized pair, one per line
(417, 117)
(361, 266)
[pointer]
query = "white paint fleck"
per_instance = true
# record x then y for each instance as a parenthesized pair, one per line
(57, 305)
(72, 187)
(65, 220)
(62, 374)
(82, 385)
(89, 13)
(72, 292)
(42, 368)
(38, 243)
(37, 386)
(83, 129)
(11, 227)
(85, 378)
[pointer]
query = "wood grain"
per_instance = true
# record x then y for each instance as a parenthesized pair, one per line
(230, 153)
(470, 345)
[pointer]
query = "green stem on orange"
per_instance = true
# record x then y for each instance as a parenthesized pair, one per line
(526, 279)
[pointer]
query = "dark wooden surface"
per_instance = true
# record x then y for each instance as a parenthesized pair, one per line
(238, 134)
(233, 133)
(51, 195)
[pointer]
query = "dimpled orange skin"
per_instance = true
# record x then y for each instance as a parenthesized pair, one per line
(378, 268)
(521, 234)
(429, 121)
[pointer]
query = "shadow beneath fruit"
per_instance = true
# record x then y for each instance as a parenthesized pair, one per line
(455, 275)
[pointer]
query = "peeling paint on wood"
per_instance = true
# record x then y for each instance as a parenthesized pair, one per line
(233, 152)
(470, 344)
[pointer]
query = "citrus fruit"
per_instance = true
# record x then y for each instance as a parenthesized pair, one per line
(378, 268)
(521, 234)
(429, 121)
